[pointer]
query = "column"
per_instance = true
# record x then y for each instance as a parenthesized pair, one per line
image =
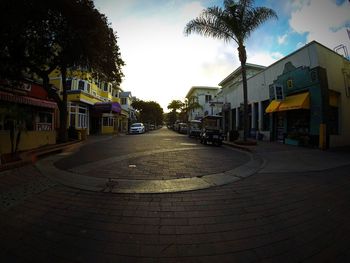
(261, 116)
(253, 117)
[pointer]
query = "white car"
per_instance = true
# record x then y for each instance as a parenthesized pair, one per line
(137, 128)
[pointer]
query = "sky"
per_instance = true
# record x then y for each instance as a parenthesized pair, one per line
(162, 64)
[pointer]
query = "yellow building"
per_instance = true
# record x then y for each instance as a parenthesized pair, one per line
(93, 105)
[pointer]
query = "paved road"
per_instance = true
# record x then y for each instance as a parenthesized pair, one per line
(267, 217)
(161, 154)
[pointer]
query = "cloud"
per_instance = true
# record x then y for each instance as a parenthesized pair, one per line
(322, 20)
(282, 39)
(264, 58)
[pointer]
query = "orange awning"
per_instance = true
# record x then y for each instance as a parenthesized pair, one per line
(273, 106)
(295, 102)
(27, 100)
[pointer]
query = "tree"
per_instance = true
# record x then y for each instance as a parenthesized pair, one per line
(191, 104)
(235, 22)
(149, 111)
(15, 119)
(44, 35)
(174, 105)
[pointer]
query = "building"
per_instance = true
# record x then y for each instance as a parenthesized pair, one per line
(231, 94)
(202, 96)
(128, 112)
(93, 105)
(26, 105)
(304, 97)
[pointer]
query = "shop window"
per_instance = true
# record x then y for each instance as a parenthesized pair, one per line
(105, 121)
(108, 121)
(44, 121)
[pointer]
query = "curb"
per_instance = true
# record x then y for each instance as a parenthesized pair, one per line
(113, 185)
(240, 147)
(31, 156)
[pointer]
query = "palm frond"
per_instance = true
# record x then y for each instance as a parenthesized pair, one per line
(211, 22)
(256, 17)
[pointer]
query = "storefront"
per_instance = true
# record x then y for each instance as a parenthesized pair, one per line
(28, 111)
(104, 118)
(303, 111)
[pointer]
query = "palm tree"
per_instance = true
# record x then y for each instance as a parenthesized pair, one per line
(235, 22)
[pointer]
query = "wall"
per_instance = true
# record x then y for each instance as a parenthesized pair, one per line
(29, 140)
(336, 65)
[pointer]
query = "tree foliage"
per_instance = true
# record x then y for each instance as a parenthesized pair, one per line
(38, 36)
(175, 105)
(236, 21)
(149, 111)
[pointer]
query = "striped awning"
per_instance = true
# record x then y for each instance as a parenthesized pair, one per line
(6, 96)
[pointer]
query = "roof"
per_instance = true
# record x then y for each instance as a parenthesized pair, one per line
(193, 88)
(314, 42)
(238, 72)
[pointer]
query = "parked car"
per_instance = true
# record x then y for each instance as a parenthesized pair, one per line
(137, 128)
(211, 130)
(183, 128)
(194, 128)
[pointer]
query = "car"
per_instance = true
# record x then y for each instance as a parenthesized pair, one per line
(183, 128)
(137, 128)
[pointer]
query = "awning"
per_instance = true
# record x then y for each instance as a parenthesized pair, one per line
(108, 107)
(294, 102)
(6, 96)
(273, 106)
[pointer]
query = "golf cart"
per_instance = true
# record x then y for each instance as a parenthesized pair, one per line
(211, 130)
(194, 128)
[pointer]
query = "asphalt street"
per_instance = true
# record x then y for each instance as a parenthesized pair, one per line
(274, 215)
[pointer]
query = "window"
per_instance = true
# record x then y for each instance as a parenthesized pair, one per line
(69, 84)
(108, 121)
(81, 85)
(123, 101)
(105, 87)
(279, 95)
(44, 121)
(88, 87)
(78, 116)
(207, 98)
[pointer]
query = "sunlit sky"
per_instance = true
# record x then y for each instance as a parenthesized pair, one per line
(162, 63)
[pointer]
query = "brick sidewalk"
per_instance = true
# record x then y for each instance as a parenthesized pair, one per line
(265, 218)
